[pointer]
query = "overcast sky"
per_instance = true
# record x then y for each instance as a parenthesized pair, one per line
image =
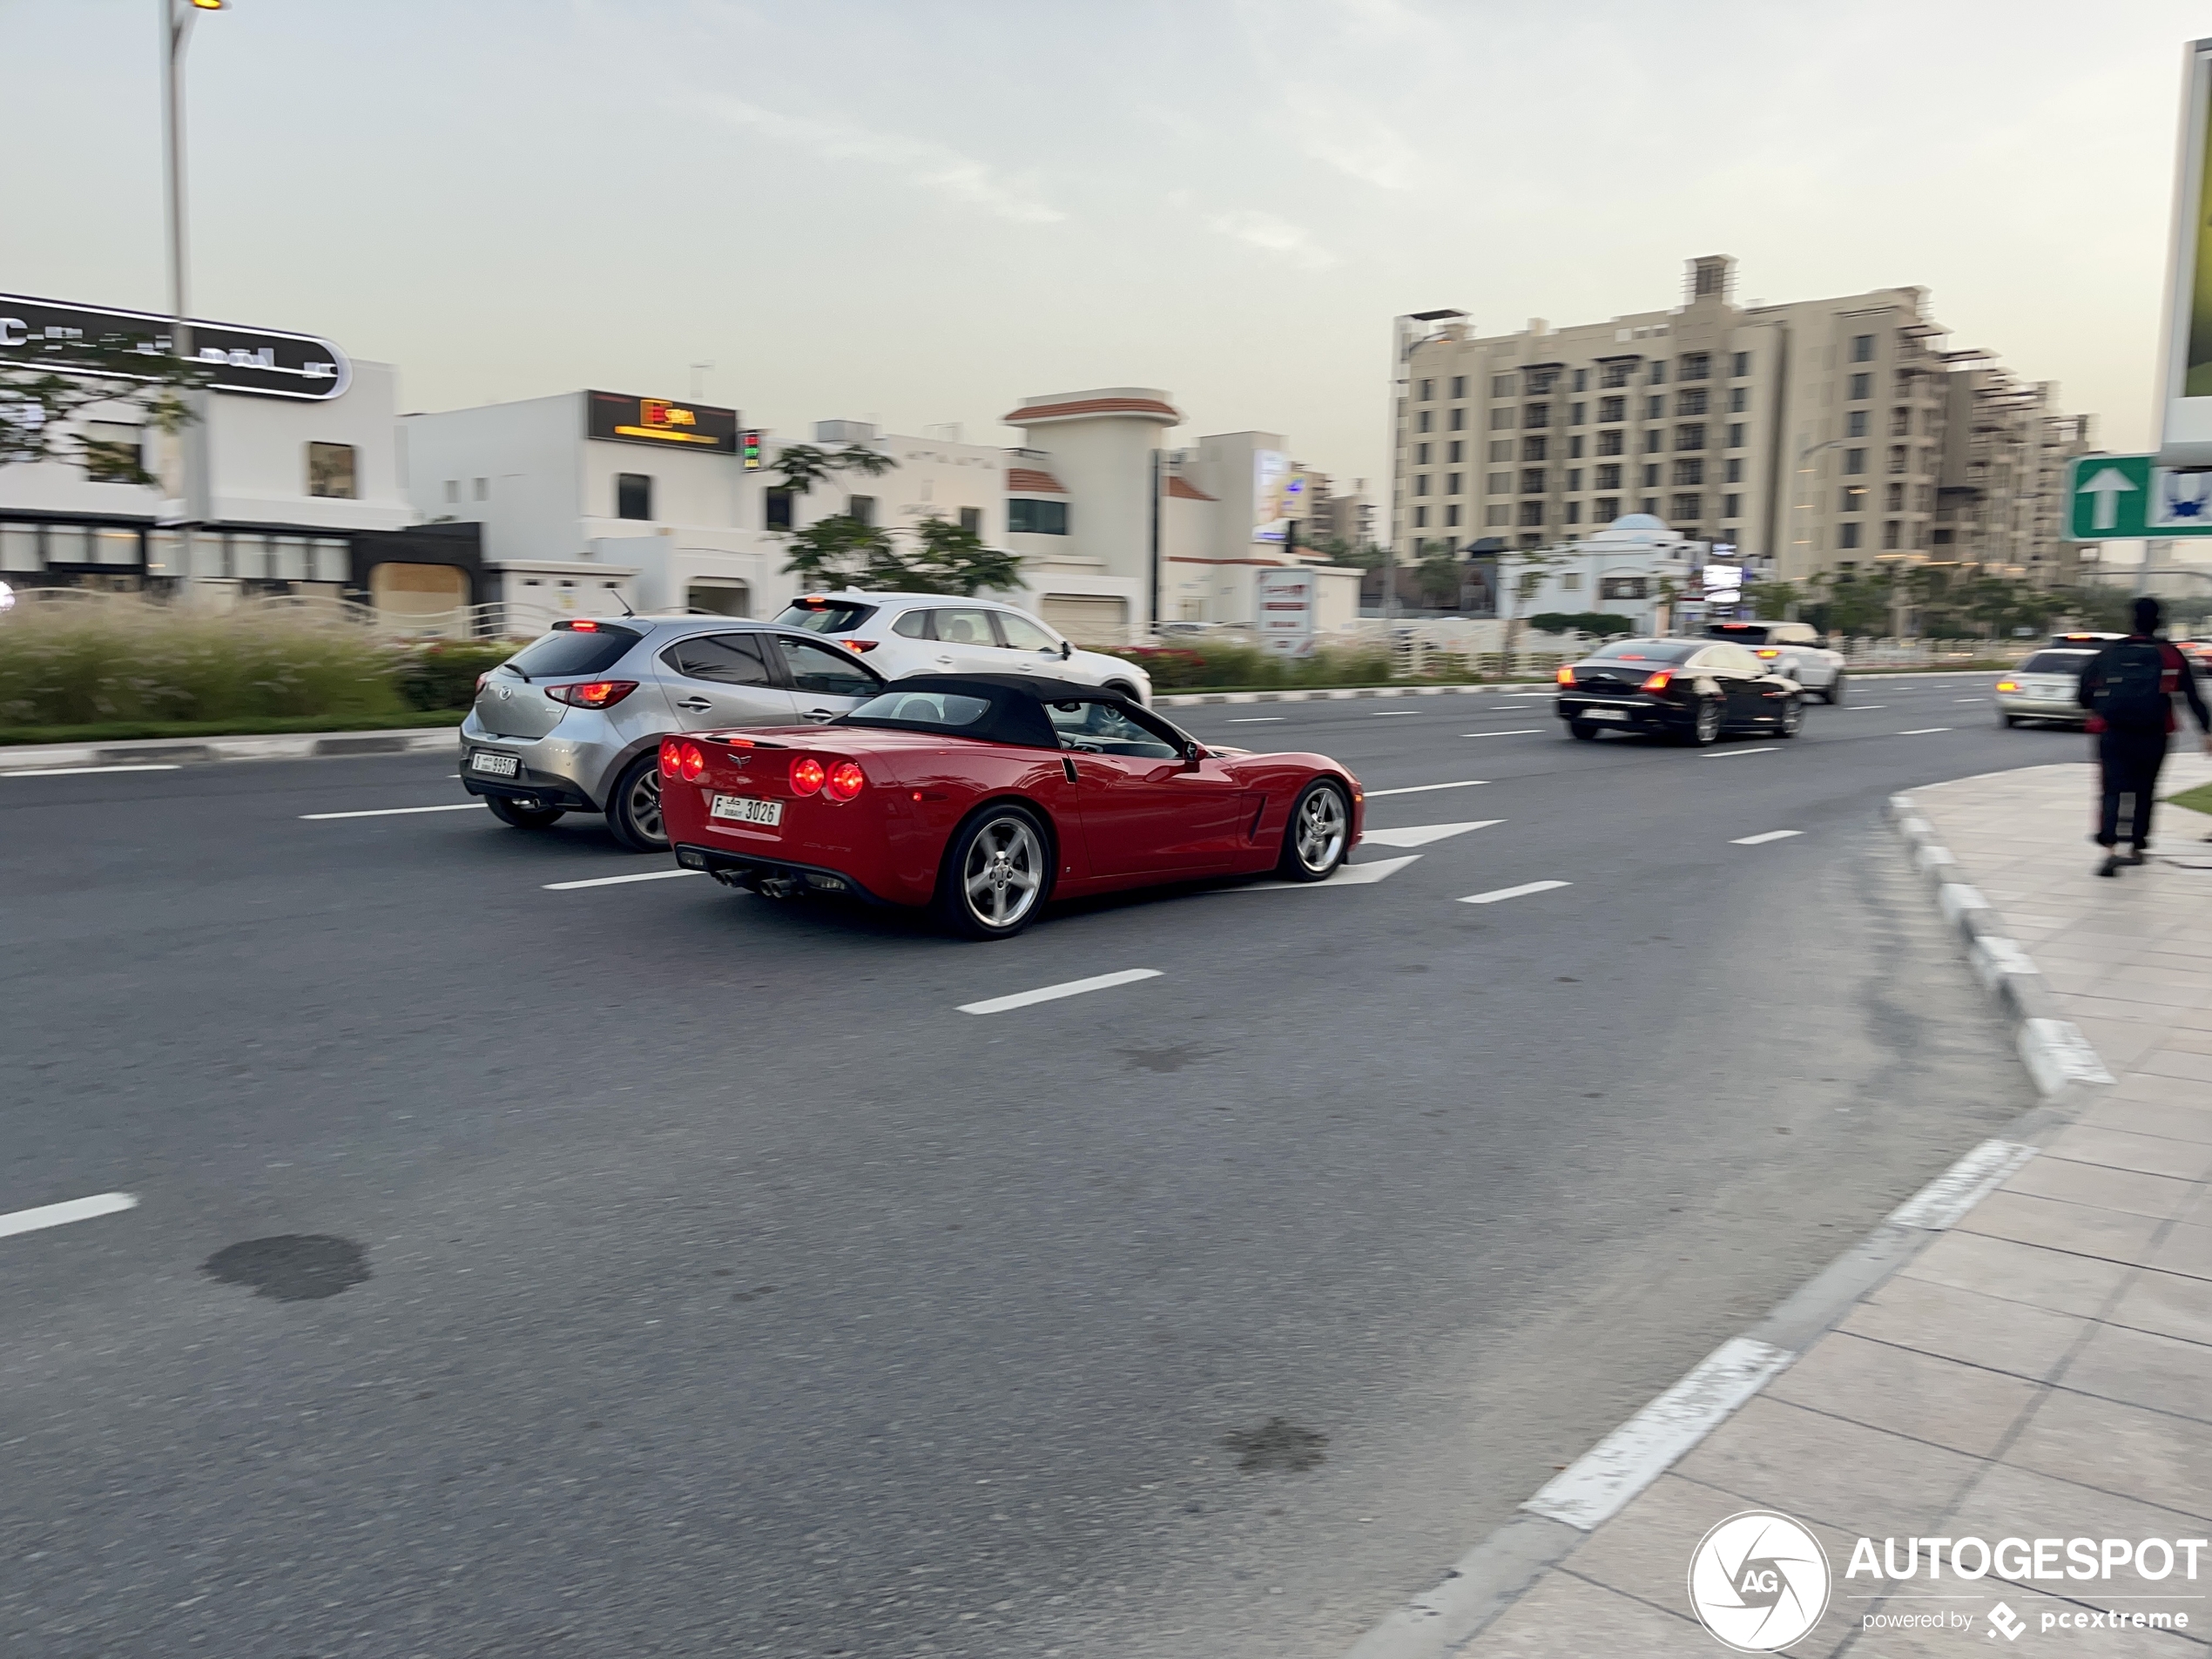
(920, 213)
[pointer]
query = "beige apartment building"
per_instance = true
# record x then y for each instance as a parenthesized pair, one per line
(2001, 503)
(1809, 437)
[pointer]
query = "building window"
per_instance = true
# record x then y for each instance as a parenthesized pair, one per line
(482, 488)
(1731, 507)
(861, 508)
(778, 503)
(1651, 477)
(1573, 478)
(1851, 499)
(1696, 365)
(1736, 435)
(330, 471)
(1608, 443)
(1739, 398)
(1689, 509)
(1575, 448)
(1847, 535)
(1654, 408)
(1854, 461)
(1891, 534)
(1691, 436)
(1532, 512)
(1459, 386)
(1452, 483)
(1623, 587)
(1420, 518)
(1570, 582)
(1575, 413)
(113, 451)
(1581, 380)
(1690, 401)
(1895, 502)
(1427, 391)
(1573, 512)
(1862, 386)
(1612, 408)
(1499, 483)
(1499, 516)
(1451, 517)
(1943, 538)
(1898, 457)
(1689, 472)
(1501, 449)
(1037, 518)
(1456, 451)
(453, 490)
(1608, 477)
(1855, 424)
(1424, 422)
(1534, 448)
(1606, 507)
(1736, 471)
(633, 496)
(1900, 423)
(1501, 385)
(1658, 373)
(1420, 483)
(1862, 348)
(1501, 419)
(1740, 364)
(1537, 414)
(1540, 379)
(1420, 455)
(1532, 481)
(971, 519)
(1459, 420)
(1614, 374)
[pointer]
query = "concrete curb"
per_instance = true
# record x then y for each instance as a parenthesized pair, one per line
(2068, 1077)
(289, 745)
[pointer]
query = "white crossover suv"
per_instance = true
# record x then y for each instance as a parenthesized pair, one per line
(899, 634)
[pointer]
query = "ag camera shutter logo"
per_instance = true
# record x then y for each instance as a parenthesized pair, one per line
(1760, 1581)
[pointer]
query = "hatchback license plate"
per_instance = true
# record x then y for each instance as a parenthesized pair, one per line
(743, 809)
(498, 766)
(1605, 714)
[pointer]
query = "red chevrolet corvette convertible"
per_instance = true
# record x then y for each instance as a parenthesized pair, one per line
(986, 795)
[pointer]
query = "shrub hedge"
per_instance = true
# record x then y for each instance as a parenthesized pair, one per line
(1219, 663)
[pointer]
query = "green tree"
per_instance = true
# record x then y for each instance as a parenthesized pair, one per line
(1772, 599)
(839, 548)
(1342, 550)
(48, 388)
(802, 466)
(1438, 574)
(949, 559)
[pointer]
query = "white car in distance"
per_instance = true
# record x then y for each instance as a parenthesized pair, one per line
(899, 634)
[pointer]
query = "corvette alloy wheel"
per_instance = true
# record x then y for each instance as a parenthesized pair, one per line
(1320, 823)
(1002, 873)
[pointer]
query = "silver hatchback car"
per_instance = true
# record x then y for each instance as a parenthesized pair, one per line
(572, 722)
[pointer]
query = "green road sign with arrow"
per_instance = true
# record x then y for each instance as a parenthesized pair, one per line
(2131, 498)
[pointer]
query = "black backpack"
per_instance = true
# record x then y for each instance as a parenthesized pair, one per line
(2132, 695)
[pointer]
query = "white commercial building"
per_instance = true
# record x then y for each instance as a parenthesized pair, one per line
(1635, 567)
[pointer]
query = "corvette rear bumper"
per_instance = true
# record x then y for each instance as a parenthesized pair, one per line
(749, 871)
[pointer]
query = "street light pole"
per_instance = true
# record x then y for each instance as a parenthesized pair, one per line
(177, 19)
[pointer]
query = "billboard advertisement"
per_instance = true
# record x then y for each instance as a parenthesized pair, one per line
(260, 363)
(622, 417)
(2185, 408)
(1279, 495)
(1288, 596)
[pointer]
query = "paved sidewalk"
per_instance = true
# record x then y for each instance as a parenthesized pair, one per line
(2043, 1367)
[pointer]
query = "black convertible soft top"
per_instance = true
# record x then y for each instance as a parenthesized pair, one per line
(1015, 715)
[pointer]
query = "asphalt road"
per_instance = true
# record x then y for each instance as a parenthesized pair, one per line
(699, 1280)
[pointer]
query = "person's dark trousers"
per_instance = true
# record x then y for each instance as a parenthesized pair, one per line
(2129, 761)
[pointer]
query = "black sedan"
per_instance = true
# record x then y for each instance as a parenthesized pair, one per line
(1689, 690)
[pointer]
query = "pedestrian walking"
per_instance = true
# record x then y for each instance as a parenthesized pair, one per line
(2129, 689)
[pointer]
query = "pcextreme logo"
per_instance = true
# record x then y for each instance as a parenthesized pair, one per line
(1760, 1581)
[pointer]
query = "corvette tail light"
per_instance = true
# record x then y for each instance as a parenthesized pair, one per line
(806, 775)
(692, 763)
(592, 694)
(862, 645)
(671, 757)
(1657, 684)
(846, 780)
(1565, 676)
(2009, 685)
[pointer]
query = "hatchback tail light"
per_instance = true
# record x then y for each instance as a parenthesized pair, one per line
(862, 645)
(671, 757)
(592, 694)
(1657, 684)
(1565, 676)
(806, 775)
(846, 780)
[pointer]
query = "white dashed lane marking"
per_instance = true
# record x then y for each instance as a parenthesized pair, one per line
(1730, 754)
(83, 772)
(1422, 834)
(1518, 731)
(60, 1215)
(1524, 889)
(392, 812)
(1761, 841)
(618, 880)
(1054, 992)
(1423, 789)
(1923, 730)
(1257, 720)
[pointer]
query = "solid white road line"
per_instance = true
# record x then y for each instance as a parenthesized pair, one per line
(393, 812)
(1970, 699)
(1514, 893)
(58, 1215)
(1422, 834)
(1423, 789)
(1519, 731)
(1380, 713)
(1347, 875)
(1730, 754)
(1923, 730)
(1761, 841)
(84, 771)
(617, 881)
(1599, 1484)
(1257, 720)
(1054, 992)
(1865, 708)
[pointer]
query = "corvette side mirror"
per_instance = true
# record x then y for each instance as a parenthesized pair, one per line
(1192, 754)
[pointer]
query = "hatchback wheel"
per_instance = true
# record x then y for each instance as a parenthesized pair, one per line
(522, 817)
(1834, 694)
(995, 873)
(633, 813)
(1316, 840)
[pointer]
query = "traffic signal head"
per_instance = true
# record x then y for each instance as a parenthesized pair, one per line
(749, 446)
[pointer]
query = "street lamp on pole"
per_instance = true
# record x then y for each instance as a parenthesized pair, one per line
(177, 19)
